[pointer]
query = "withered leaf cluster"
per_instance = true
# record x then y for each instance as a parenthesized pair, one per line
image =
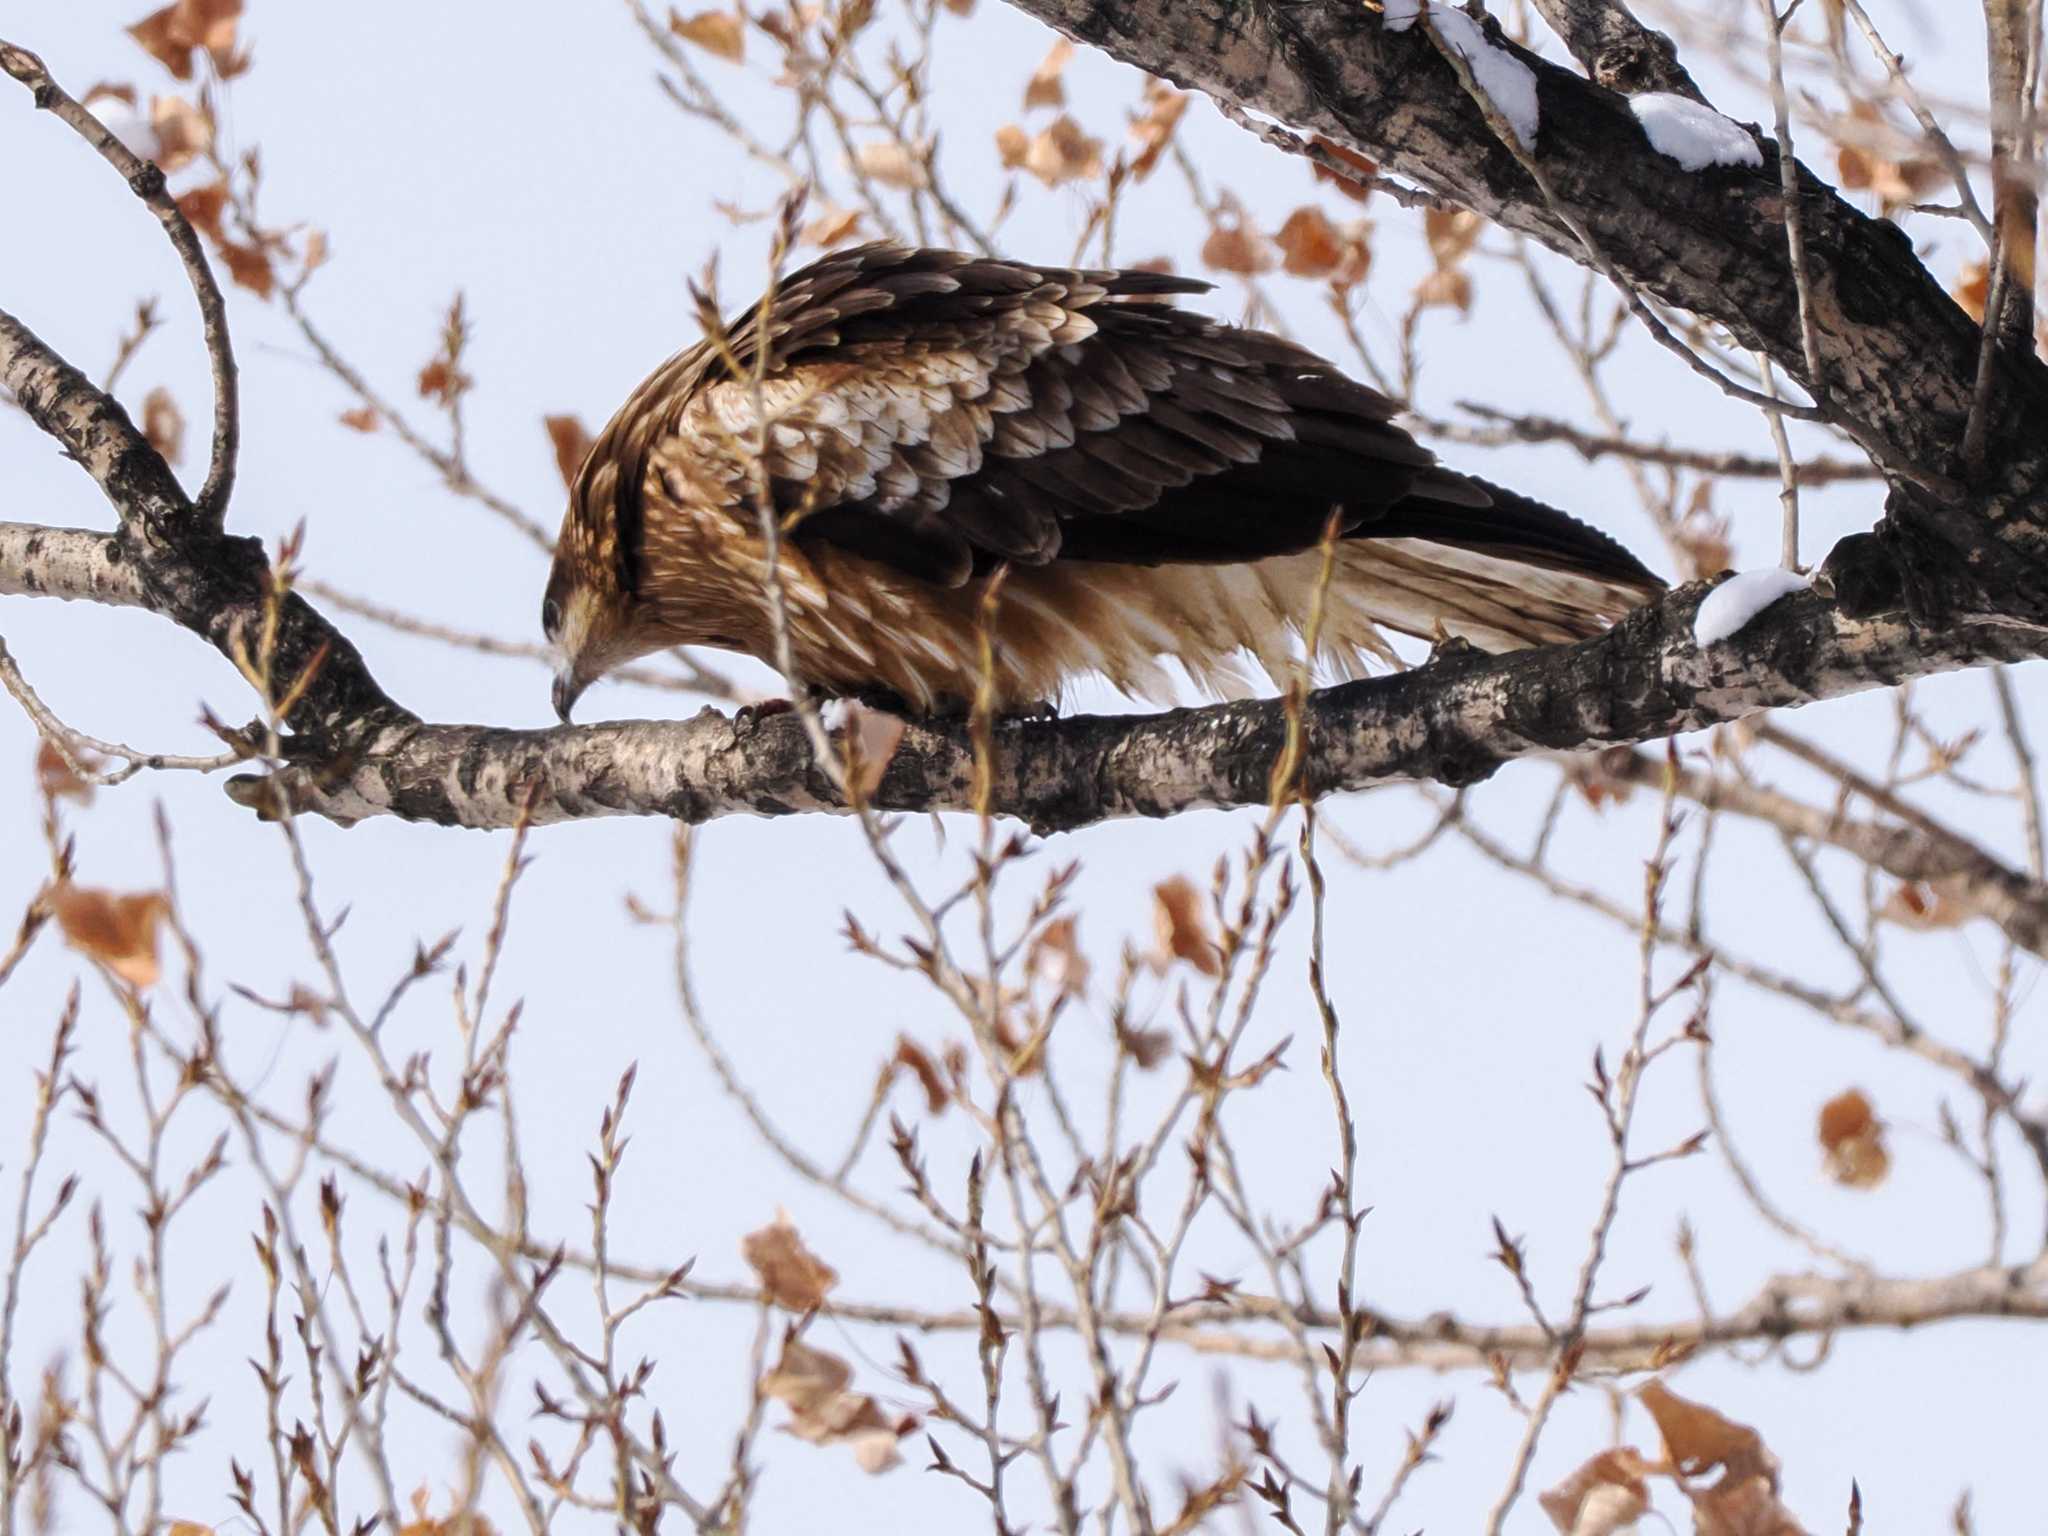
(1450, 236)
(825, 1411)
(185, 28)
(1059, 153)
(1308, 244)
(1721, 1466)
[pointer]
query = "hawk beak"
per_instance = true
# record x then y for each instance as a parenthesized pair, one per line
(568, 688)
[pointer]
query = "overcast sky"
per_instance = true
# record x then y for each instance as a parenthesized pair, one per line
(526, 156)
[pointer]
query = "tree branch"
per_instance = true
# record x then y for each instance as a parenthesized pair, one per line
(1617, 50)
(1455, 721)
(146, 180)
(71, 563)
(1985, 885)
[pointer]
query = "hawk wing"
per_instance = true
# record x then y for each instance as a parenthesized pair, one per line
(941, 413)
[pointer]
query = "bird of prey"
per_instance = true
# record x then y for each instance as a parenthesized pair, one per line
(1157, 484)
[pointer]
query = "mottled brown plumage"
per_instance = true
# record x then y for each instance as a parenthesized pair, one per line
(1157, 484)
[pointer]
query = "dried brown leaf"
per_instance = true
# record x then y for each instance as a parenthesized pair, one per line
(1147, 1047)
(250, 266)
(1973, 289)
(1896, 184)
(1697, 1439)
(1451, 234)
(163, 424)
(1234, 246)
(792, 1276)
(1445, 288)
(1182, 927)
(1357, 176)
(1044, 89)
(1853, 1138)
(1703, 536)
(362, 419)
(1742, 1507)
(457, 1522)
(572, 445)
(1596, 779)
(171, 34)
(1012, 143)
(1309, 243)
(1603, 1496)
(443, 381)
(1356, 258)
(203, 206)
(119, 931)
(1061, 153)
(869, 738)
(183, 130)
(1926, 905)
(1314, 247)
(1153, 129)
(891, 163)
(55, 776)
(1055, 957)
(723, 33)
(832, 226)
(813, 1382)
(915, 1059)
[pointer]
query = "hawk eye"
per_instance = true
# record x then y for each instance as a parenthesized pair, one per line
(550, 616)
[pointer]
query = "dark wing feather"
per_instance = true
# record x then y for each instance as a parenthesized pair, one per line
(1003, 412)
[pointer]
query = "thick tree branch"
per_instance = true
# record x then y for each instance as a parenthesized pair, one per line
(1454, 721)
(217, 586)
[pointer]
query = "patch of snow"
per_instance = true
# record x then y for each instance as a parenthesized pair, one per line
(1731, 605)
(1692, 133)
(836, 714)
(1504, 79)
(125, 123)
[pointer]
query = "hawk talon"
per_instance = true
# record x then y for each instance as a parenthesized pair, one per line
(1449, 647)
(748, 718)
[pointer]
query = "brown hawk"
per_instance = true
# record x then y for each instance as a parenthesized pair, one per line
(1157, 483)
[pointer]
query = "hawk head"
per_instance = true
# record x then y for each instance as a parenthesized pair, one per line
(586, 613)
